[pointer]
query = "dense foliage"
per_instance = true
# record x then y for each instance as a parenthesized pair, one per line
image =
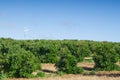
(105, 57)
(79, 49)
(27, 53)
(20, 64)
(16, 61)
(68, 63)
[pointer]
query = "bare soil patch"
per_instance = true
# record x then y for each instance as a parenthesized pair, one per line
(101, 75)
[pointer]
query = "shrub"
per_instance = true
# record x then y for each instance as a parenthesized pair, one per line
(60, 73)
(48, 53)
(40, 74)
(86, 72)
(77, 70)
(117, 49)
(3, 76)
(92, 72)
(1, 60)
(21, 64)
(80, 51)
(49, 58)
(105, 57)
(67, 63)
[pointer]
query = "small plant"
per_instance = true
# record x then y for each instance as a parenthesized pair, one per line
(60, 73)
(86, 72)
(77, 70)
(40, 74)
(3, 76)
(92, 72)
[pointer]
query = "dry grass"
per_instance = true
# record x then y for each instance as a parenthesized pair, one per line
(101, 75)
(49, 67)
(86, 65)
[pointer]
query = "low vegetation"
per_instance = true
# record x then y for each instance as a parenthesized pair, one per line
(68, 63)
(106, 57)
(20, 58)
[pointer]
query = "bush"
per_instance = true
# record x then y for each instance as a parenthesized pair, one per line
(86, 72)
(79, 50)
(82, 52)
(105, 57)
(40, 74)
(3, 76)
(49, 58)
(60, 73)
(1, 60)
(67, 63)
(21, 64)
(92, 72)
(117, 49)
(47, 53)
(77, 70)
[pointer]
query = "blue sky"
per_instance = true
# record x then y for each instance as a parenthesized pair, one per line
(60, 19)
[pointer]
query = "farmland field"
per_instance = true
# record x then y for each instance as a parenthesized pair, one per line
(50, 70)
(74, 60)
(59, 40)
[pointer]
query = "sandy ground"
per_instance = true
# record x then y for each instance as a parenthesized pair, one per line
(102, 75)
(75, 77)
